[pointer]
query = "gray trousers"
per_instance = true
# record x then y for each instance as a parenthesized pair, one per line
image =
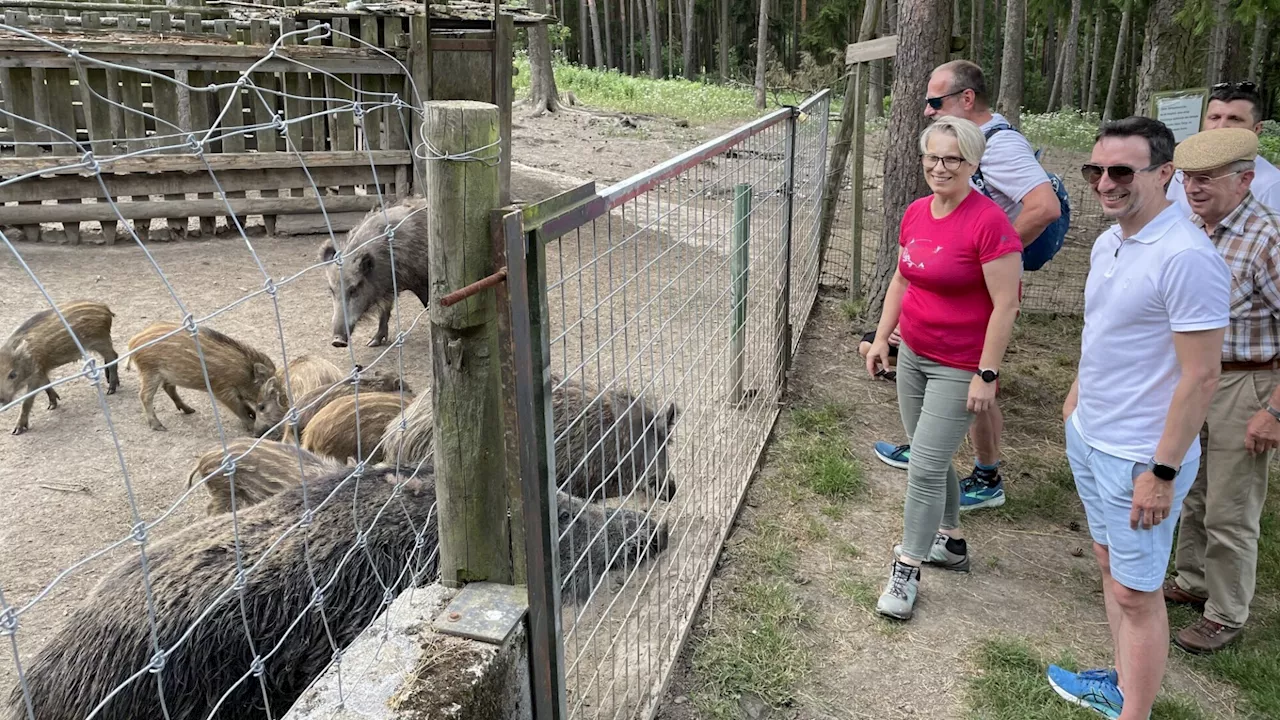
(932, 399)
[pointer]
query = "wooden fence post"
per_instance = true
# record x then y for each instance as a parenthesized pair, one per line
(470, 453)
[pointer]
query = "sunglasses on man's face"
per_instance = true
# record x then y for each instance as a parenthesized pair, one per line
(1245, 86)
(1119, 174)
(936, 102)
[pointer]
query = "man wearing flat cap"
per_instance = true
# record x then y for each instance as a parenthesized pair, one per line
(1238, 105)
(1217, 549)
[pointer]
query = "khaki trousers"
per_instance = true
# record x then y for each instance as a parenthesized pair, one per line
(1217, 553)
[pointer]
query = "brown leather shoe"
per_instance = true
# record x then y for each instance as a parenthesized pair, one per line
(1205, 636)
(1175, 594)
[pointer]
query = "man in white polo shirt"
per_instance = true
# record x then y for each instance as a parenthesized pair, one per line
(1236, 105)
(1156, 310)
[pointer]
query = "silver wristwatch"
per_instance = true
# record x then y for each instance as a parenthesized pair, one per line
(1274, 412)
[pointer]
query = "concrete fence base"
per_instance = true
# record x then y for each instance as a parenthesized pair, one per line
(402, 667)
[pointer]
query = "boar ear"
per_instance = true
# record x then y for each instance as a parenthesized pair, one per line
(366, 264)
(262, 373)
(326, 251)
(672, 413)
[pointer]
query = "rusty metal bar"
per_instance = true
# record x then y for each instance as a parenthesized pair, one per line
(483, 283)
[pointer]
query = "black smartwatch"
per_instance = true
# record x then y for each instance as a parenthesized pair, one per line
(1162, 471)
(988, 376)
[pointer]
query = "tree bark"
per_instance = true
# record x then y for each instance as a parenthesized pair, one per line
(584, 50)
(1259, 41)
(762, 52)
(690, 71)
(1155, 72)
(1056, 92)
(655, 51)
(1215, 60)
(1114, 86)
(724, 39)
(609, 61)
(543, 96)
(1091, 100)
(980, 30)
(1012, 62)
(1069, 58)
(875, 100)
(596, 43)
(924, 32)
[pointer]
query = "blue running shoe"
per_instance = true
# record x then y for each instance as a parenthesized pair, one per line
(893, 455)
(1091, 689)
(976, 493)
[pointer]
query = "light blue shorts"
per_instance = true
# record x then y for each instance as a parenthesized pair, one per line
(1139, 558)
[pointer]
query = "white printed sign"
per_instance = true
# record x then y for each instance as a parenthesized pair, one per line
(1181, 114)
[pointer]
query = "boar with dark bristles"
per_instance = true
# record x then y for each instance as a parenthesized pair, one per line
(205, 628)
(365, 280)
(42, 343)
(305, 373)
(624, 440)
(316, 400)
(268, 469)
(170, 360)
(333, 431)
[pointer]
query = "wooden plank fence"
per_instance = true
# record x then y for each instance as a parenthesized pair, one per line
(144, 106)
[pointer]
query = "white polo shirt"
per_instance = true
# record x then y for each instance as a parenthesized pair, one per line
(1167, 278)
(1265, 186)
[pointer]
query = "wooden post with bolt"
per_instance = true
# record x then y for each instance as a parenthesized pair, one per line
(470, 454)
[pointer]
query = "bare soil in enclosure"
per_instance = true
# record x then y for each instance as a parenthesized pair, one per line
(65, 496)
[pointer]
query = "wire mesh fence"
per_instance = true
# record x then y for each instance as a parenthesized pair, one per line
(1056, 287)
(672, 303)
(126, 592)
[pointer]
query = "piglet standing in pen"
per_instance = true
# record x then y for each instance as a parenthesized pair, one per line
(310, 404)
(167, 357)
(42, 343)
(305, 373)
(365, 280)
(262, 468)
(339, 433)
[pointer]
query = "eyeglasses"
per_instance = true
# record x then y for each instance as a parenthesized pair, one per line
(1119, 174)
(950, 162)
(1245, 86)
(1194, 181)
(936, 102)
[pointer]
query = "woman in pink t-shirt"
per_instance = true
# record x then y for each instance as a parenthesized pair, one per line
(953, 299)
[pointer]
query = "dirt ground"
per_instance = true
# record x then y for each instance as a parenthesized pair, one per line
(1033, 577)
(69, 508)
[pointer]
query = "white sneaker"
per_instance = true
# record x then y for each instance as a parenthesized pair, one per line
(899, 597)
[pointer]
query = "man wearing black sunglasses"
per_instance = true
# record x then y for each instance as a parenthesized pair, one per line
(1236, 105)
(1017, 182)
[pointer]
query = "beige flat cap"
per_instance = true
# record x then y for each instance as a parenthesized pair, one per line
(1211, 149)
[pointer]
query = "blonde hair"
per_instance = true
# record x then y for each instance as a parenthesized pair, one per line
(968, 136)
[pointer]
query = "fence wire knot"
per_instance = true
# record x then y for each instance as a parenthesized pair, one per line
(157, 663)
(308, 517)
(399, 343)
(91, 371)
(278, 123)
(193, 142)
(139, 533)
(242, 581)
(317, 599)
(8, 622)
(358, 472)
(257, 667)
(292, 416)
(228, 467)
(90, 162)
(387, 597)
(189, 322)
(269, 287)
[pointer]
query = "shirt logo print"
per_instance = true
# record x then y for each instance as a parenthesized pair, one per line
(924, 249)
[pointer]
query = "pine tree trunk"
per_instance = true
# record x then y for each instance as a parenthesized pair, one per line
(996, 67)
(655, 51)
(1255, 50)
(690, 72)
(1012, 61)
(724, 39)
(1117, 63)
(596, 43)
(1155, 72)
(542, 80)
(979, 29)
(762, 52)
(1056, 92)
(875, 104)
(924, 32)
(1092, 100)
(1050, 48)
(1216, 59)
(609, 61)
(1069, 59)
(584, 50)
(624, 17)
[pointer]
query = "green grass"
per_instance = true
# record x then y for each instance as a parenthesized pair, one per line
(752, 648)
(1010, 685)
(697, 102)
(815, 454)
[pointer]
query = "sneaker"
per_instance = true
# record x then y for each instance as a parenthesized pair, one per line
(899, 597)
(941, 557)
(1091, 689)
(893, 455)
(977, 493)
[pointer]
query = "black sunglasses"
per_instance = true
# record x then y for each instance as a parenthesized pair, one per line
(936, 102)
(1119, 174)
(1245, 86)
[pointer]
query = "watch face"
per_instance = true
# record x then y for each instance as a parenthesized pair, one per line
(988, 376)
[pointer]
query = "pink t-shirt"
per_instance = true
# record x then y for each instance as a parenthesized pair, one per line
(947, 305)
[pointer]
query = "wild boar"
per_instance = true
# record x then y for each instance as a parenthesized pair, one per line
(333, 431)
(306, 373)
(316, 400)
(269, 469)
(42, 343)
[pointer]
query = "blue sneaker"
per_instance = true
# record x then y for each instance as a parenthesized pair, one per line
(1093, 689)
(893, 455)
(976, 493)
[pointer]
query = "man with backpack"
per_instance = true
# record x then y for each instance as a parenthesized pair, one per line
(1036, 203)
